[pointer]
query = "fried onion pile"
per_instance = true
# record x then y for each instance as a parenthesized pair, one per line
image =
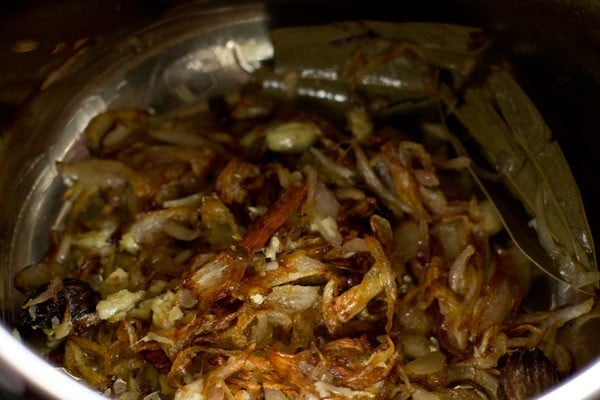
(248, 251)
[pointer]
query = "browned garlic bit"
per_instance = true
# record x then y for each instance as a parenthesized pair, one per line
(270, 255)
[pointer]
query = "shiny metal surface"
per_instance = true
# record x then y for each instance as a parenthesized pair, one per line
(192, 53)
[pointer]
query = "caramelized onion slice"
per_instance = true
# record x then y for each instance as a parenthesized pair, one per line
(262, 229)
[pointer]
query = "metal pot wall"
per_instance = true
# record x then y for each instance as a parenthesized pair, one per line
(207, 48)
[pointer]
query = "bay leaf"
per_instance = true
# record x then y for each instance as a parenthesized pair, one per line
(338, 63)
(516, 141)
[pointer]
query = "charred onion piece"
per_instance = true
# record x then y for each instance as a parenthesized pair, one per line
(68, 301)
(527, 373)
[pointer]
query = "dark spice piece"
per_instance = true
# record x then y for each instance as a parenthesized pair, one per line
(75, 300)
(525, 374)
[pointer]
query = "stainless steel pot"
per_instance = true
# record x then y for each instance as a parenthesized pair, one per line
(201, 50)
